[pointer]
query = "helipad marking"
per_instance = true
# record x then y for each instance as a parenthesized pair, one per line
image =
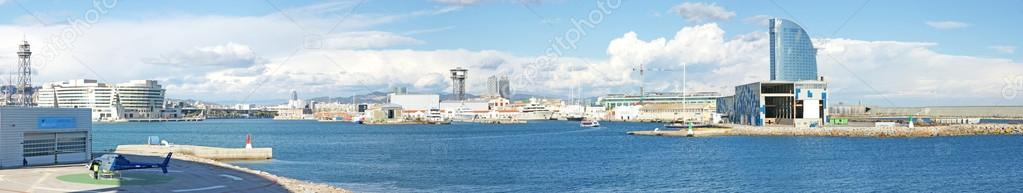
(66, 190)
(157, 170)
(232, 177)
(199, 189)
(39, 181)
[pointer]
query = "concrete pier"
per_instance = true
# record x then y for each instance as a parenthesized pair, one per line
(701, 132)
(929, 131)
(214, 153)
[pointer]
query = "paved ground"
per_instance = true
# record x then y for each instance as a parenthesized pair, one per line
(184, 176)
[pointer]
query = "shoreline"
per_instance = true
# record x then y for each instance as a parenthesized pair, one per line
(291, 184)
(880, 132)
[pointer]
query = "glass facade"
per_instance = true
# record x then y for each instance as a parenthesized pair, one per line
(793, 57)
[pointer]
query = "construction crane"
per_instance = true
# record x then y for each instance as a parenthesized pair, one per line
(642, 77)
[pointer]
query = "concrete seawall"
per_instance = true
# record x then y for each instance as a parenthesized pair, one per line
(929, 131)
(214, 153)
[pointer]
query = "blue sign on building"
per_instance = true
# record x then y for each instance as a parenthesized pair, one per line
(56, 122)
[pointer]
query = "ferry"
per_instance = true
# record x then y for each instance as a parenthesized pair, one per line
(589, 123)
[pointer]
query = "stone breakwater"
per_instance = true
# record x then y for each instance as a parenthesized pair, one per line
(929, 131)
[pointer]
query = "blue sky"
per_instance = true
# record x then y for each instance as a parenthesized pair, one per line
(510, 34)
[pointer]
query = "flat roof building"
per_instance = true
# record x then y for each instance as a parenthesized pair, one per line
(799, 103)
(44, 136)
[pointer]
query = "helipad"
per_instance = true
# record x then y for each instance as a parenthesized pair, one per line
(183, 176)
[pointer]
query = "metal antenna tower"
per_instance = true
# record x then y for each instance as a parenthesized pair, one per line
(458, 80)
(24, 98)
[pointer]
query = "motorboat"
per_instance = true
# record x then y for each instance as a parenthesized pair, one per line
(589, 123)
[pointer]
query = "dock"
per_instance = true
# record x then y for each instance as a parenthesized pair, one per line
(839, 131)
(701, 132)
(213, 153)
(167, 120)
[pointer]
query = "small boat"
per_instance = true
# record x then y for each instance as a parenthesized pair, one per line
(589, 123)
(357, 120)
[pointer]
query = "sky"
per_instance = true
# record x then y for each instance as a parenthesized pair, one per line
(882, 53)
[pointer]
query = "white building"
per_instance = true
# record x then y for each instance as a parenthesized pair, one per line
(142, 99)
(137, 99)
(415, 102)
(44, 136)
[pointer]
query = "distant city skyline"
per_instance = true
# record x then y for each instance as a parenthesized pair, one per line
(905, 53)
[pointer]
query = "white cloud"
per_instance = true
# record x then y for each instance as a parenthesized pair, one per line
(367, 40)
(702, 12)
(759, 20)
(430, 30)
(1004, 49)
(947, 24)
(230, 55)
(904, 72)
(255, 55)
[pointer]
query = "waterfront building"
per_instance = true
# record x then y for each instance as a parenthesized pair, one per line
(847, 110)
(136, 99)
(611, 101)
(384, 113)
(795, 95)
(799, 103)
(143, 99)
(244, 107)
(696, 106)
(695, 112)
(44, 136)
(498, 87)
(793, 57)
(296, 109)
(415, 102)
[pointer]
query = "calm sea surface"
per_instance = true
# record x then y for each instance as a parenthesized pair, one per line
(559, 156)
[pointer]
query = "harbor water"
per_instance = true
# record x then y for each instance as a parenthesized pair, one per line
(560, 156)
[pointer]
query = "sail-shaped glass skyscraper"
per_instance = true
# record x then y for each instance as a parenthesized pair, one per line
(793, 57)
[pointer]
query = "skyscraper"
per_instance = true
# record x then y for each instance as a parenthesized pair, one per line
(498, 86)
(793, 57)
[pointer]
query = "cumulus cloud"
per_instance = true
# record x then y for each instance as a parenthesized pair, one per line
(702, 12)
(1004, 49)
(230, 55)
(368, 39)
(905, 73)
(241, 59)
(946, 24)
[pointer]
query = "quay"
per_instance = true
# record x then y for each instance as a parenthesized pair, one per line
(925, 131)
(166, 120)
(213, 153)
